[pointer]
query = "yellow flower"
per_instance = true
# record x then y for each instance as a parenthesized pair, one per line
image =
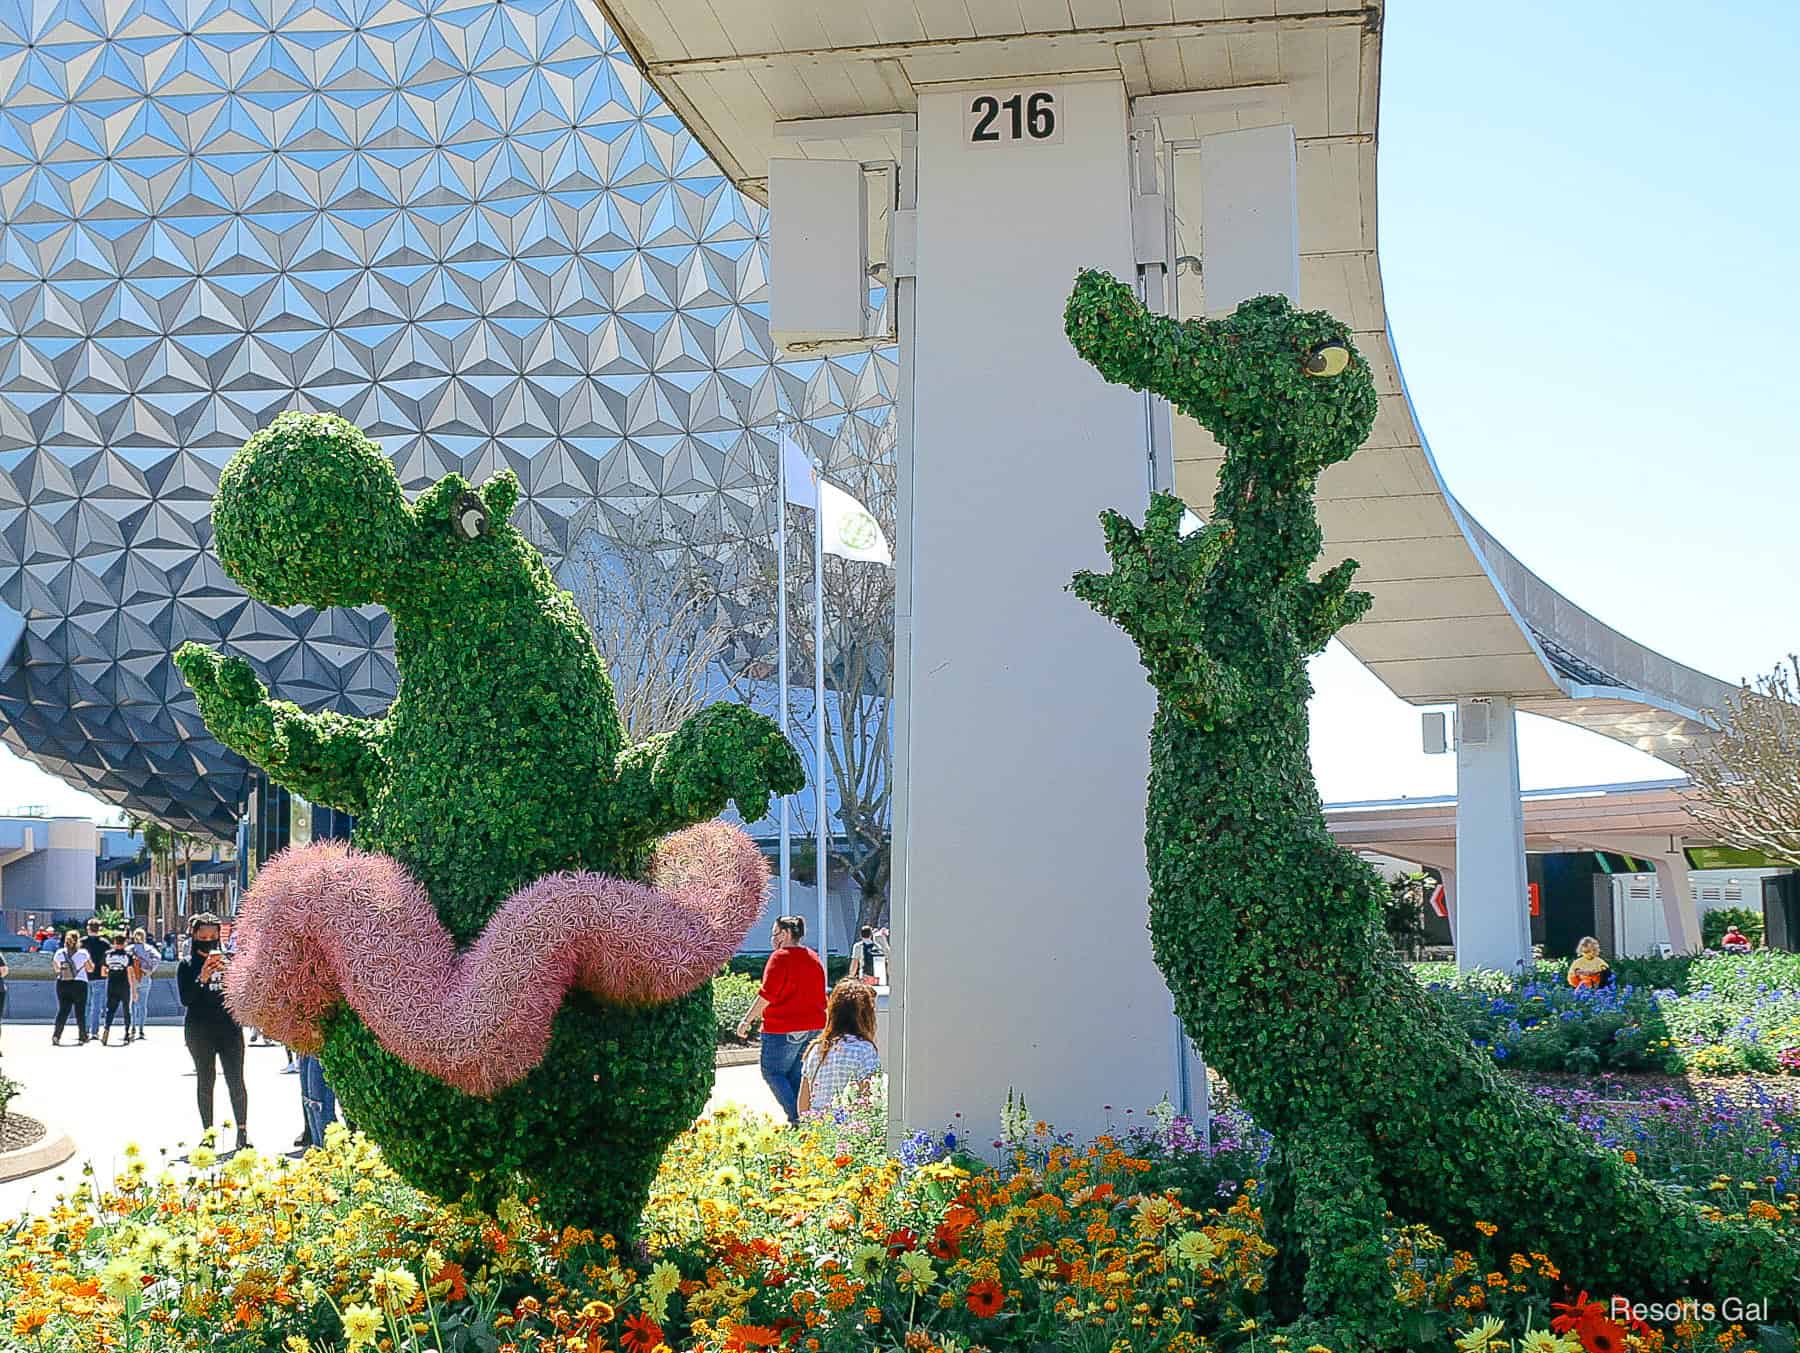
(361, 1325)
(202, 1157)
(866, 1261)
(1487, 1228)
(1194, 1249)
(394, 1288)
(916, 1269)
(296, 1343)
(1543, 1341)
(1481, 1338)
(122, 1279)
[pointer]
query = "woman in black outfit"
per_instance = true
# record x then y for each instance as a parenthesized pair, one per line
(209, 1029)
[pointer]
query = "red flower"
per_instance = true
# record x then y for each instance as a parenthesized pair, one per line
(641, 1334)
(1631, 1322)
(960, 1218)
(1600, 1335)
(900, 1241)
(985, 1298)
(1575, 1312)
(945, 1243)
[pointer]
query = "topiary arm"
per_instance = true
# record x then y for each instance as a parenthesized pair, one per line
(328, 758)
(1326, 605)
(1154, 594)
(726, 753)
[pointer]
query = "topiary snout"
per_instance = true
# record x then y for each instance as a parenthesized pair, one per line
(310, 513)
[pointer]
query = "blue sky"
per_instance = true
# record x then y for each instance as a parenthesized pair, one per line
(1588, 239)
(1587, 221)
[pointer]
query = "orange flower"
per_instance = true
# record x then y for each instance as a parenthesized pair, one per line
(641, 1334)
(30, 1323)
(985, 1298)
(752, 1336)
(458, 1281)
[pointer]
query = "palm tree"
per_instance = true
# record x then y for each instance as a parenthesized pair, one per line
(157, 845)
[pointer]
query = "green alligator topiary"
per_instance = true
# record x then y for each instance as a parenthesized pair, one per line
(502, 760)
(1268, 932)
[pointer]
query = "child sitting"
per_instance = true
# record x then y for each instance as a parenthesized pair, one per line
(1588, 969)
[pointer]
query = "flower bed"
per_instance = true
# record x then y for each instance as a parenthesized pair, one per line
(1729, 1016)
(815, 1241)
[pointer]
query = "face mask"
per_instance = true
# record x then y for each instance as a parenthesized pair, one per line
(205, 946)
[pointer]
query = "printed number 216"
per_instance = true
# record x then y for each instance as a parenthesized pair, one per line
(1027, 117)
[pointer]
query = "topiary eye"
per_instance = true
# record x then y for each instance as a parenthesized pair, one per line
(1330, 358)
(469, 518)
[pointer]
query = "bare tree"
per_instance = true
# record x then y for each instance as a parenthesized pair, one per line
(859, 672)
(1748, 775)
(657, 620)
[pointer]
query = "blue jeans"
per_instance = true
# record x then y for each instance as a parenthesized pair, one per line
(316, 1099)
(781, 1058)
(96, 1004)
(140, 1003)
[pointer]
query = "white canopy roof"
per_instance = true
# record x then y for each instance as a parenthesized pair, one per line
(1454, 614)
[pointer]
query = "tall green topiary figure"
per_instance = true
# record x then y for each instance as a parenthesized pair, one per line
(1268, 933)
(501, 762)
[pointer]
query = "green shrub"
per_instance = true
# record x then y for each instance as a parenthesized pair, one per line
(732, 996)
(10, 1090)
(751, 965)
(1539, 1025)
(1714, 924)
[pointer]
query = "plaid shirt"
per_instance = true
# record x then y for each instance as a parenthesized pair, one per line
(850, 1061)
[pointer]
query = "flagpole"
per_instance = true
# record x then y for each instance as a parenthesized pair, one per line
(822, 869)
(781, 660)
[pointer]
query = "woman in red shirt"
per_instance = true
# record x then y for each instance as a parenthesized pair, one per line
(791, 1005)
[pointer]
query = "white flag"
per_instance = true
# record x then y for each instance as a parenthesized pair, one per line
(851, 531)
(797, 468)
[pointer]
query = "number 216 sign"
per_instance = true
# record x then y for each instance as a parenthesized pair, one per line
(1002, 117)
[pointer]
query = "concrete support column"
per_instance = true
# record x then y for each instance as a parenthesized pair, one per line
(1680, 912)
(1493, 915)
(1022, 754)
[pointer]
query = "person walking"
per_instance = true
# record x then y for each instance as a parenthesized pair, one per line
(3, 972)
(318, 1104)
(212, 1035)
(118, 988)
(791, 1006)
(862, 958)
(72, 966)
(144, 960)
(97, 950)
(845, 1054)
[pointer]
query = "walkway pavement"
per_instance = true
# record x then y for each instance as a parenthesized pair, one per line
(107, 1097)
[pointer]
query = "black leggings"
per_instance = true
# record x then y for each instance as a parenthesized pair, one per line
(71, 996)
(117, 1001)
(205, 1041)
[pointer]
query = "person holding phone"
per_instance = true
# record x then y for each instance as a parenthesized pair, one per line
(212, 1034)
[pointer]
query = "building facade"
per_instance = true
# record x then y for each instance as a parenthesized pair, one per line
(471, 228)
